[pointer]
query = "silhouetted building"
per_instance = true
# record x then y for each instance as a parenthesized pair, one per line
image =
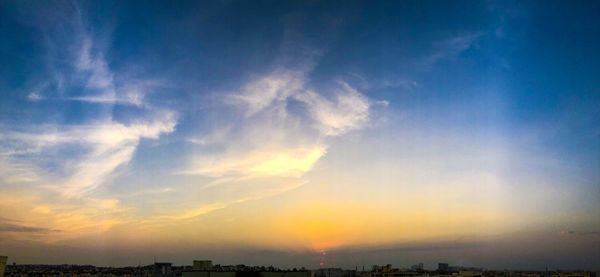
(163, 270)
(418, 267)
(203, 265)
(204, 273)
(286, 273)
(443, 267)
(3, 260)
(280, 273)
(388, 271)
(333, 272)
(470, 273)
(206, 269)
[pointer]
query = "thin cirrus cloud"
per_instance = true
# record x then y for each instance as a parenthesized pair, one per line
(9, 227)
(93, 80)
(55, 169)
(108, 145)
(348, 111)
(101, 80)
(270, 90)
(72, 160)
(448, 49)
(269, 147)
(271, 140)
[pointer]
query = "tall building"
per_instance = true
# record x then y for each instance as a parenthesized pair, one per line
(203, 265)
(3, 260)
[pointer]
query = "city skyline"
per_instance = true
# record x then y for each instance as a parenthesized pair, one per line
(296, 133)
(375, 270)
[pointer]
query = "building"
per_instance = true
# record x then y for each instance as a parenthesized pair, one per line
(3, 260)
(334, 272)
(200, 273)
(206, 273)
(469, 273)
(205, 268)
(285, 273)
(203, 265)
(572, 274)
(418, 267)
(163, 270)
(388, 271)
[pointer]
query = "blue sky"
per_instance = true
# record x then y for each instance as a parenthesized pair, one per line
(347, 127)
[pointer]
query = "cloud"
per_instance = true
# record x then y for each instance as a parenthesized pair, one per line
(262, 162)
(15, 228)
(15, 172)
(272, 140)
(106, 146)
(89, 75)
(100, 85)
(48, 220)
(349, 110)
(101, 82)
(134, 98)
(272, 144)
(217, 136)
(579, 233)
(53, 169)
(276, 86)
(282, 185)
(448, 49)
(34, 96)
(76, 159)
(279, 130)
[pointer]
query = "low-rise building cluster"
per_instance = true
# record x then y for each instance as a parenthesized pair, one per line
(205, 268)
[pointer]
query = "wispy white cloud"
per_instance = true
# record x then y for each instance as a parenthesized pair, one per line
(274, 140)
(349, 110)
(59, 220)
(57, 170)
(84, 55)
(256, 195)
(15, 172)
(266, 149)
(36, 93)
(261, 162)
(34, 96)
(107, 145)
(271, 143)
(217, 136)
(133, 99)
(276, 86)
(101, 87)
(449, 49)
(90, 73)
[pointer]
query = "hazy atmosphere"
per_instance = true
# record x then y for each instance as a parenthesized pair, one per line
(296, 133)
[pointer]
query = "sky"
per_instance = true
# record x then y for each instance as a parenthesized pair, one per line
(301, 133)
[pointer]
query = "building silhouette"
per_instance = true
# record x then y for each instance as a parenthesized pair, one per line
(3, 260)
(205, 268)
(203, 265)
(418, 267)
(163, 270)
